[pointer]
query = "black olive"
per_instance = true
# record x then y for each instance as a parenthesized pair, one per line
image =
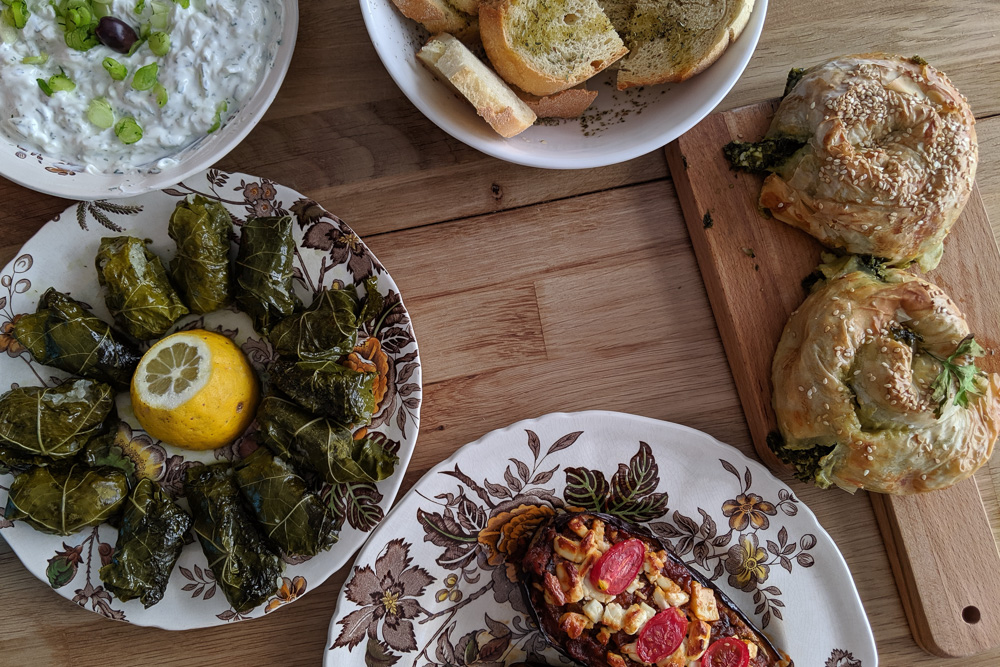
(116, 34)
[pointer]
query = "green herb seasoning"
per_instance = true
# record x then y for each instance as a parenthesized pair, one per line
(159, 43)
(145, 77)
(100, 114)
(128, 131)
(219, 110)
(117, 71)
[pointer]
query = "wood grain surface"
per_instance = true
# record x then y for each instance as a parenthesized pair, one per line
(941, 547)
(498, 265)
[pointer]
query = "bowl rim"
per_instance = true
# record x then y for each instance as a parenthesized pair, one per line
(229, 137)
(605, 158)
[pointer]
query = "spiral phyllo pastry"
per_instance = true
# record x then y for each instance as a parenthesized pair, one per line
(888, 160)
(875, 386)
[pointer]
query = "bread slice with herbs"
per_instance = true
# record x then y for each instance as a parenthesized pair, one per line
(545, 46)
(672, 40)
(569, 103)
(452, 62)
(443, 16)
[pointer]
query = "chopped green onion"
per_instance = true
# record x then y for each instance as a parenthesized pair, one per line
(15, 14)
(139, 6)
(183, 3)
(44, 86)
(117, 71)
(99, 113)
(81, 39)
(161, 94)
(60, 82)
(219, 110)
(161, 15)
(128, 131)
(145, 77)
(40, 59)
(159, 43)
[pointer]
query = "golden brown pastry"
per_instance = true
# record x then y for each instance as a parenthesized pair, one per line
(889, 161)
(875, 385)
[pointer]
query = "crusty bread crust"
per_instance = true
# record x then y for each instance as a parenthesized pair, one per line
(514, 69)
(467, 6)
(493, 99)
(439, 16)
(570, 103)
(677, 72)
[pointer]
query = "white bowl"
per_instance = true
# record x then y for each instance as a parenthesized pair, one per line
(54, 176)
(621, 125)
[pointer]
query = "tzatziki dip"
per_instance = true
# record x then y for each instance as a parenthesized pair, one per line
(170, 73)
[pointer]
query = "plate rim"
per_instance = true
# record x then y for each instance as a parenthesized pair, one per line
(391, 491)
(496, 149)
(375, 537)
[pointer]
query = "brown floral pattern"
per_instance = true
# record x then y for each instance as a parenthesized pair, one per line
(475, 528)
(387, 343)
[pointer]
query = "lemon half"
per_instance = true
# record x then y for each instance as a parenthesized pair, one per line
(195, 390)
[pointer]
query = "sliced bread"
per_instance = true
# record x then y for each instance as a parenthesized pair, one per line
(618, 12)
(467, 6)
(493, 99)
(672, 40)
(545, 46)
(442, 16)
(569, 103)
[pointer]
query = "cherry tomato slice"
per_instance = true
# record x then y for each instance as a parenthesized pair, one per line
(661, 635)
(616, 569)
(727, 652)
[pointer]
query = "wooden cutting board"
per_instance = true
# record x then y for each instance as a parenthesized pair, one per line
(942, 550)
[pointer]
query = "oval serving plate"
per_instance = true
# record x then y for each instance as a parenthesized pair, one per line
(432, 587)
(61, 255)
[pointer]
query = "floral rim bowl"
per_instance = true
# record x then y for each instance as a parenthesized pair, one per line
(433, 587)
(61, 255)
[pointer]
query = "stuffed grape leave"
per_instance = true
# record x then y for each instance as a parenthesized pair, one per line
(291, 518)
(325, 331)
(245, 568)
(265, 271)
(328, 389)
(63, 333)
(63, 498)
(325, 447)
(55, 422)
(200, 269)
(137, 290)
(150, 539)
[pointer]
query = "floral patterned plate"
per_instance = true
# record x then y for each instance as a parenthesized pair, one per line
(432, 587)
(61, 255)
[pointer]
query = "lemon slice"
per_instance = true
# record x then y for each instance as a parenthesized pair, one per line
(195, 390)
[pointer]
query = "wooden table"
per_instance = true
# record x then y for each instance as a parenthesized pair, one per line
(496, 263)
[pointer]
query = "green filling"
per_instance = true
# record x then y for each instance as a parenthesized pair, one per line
(794, 76)
(761, 156)
(807, 463)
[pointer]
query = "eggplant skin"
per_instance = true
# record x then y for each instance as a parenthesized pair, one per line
(537, 560)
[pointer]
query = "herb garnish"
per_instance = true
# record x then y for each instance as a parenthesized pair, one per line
(962, 376)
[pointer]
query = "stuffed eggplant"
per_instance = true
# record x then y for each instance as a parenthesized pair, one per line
(314, 443)
(137, 290)
(265, 270)
(150, 540)
(328, 389)
(610, 594)
(54, 422)
(244, 567)
(200, 269)
(63, 333)
(60, 499)
(291, 518)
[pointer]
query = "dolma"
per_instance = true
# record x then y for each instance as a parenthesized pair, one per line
(55, 422)
(325, 447)
(200, 269)
(13, 458)
(326, 330)
(244, 567)
(150, 539)
(265, 270)
(328, 389)
(63, 498)
(63, 333)
(137, 290)
(290, 517)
